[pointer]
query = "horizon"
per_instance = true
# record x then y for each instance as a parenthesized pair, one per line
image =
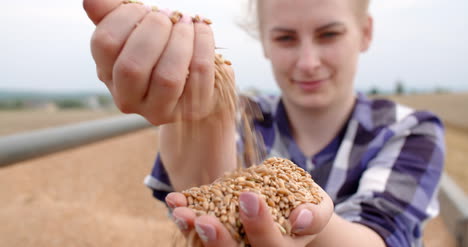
(408, 90)
(48, 47)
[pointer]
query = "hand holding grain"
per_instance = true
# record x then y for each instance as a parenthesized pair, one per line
(157, 63)
(274, 204)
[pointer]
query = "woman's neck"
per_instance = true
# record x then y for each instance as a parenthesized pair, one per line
(313, 129)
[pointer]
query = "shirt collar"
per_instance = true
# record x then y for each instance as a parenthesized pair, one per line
(326, 154)
(362, 112)
(282, 119)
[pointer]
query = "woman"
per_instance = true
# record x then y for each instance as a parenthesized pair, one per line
(378, 163)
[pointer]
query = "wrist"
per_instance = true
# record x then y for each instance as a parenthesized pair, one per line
(341, 232)
(198, 152)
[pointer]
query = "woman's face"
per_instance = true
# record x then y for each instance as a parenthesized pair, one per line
(313, 46)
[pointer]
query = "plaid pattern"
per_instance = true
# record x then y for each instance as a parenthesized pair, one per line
(382, 170)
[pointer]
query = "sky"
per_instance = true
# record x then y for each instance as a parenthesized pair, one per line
(45, 45)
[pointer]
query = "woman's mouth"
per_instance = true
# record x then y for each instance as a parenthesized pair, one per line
(310, 85)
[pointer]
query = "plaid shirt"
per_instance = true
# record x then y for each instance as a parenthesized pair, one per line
(382, 170)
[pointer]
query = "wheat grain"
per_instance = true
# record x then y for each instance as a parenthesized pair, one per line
(280, 199)
(207, 21)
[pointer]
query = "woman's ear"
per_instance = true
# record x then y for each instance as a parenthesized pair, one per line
(367, 33)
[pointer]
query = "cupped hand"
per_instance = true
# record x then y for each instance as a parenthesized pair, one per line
(161, 70)
(307, 220)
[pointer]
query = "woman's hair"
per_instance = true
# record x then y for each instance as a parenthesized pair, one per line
(362, 7)
(251, 23)
(249, 20)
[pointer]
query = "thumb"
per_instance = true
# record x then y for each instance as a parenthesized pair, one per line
(311, 219)
(258, 222)
(98, 9)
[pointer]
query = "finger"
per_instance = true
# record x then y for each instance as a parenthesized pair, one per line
(184, 218)
(104, 78)
(133, 67)
(169, 76)
(97, 9)
(310, 219)
(197, 98)
(176, 199)
(213, 233)
(110, 36)
(258, 223)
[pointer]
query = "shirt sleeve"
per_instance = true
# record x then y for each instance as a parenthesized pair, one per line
(158, 181)
(397, 192)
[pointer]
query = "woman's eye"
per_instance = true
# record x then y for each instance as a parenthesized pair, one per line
(284, 38)
(329, 35)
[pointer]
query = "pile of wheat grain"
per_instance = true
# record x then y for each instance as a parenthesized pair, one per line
(281, 183)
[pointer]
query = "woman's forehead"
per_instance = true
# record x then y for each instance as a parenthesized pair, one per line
(302, 8)
(299, 12)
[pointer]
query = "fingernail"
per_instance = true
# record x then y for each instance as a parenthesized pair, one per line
(175, 17)
(166, 11)
(249, 204)
(303, 220)
(196, 19)
(170, 203)
(186, 19)
(180, 222)
(206, 232)
(201, 19)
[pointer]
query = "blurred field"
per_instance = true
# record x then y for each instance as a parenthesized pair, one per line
(89, 196)
(451, 107)
(18, 121)
(94, 195)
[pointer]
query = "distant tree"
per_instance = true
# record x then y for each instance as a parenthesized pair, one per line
(374, 91)
(4, 105)
(441, 90)
(70, 104)
(12, 104)
(400, 87)
(105, 100)
(18, 104)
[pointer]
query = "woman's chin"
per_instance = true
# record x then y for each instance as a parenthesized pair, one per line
(311, 102)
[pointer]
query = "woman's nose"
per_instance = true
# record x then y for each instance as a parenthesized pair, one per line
(308, 58)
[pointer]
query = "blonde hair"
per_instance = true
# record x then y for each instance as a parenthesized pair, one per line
(251, 23)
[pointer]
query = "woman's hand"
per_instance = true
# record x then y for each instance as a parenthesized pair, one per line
(307, 221)
(160, 70)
